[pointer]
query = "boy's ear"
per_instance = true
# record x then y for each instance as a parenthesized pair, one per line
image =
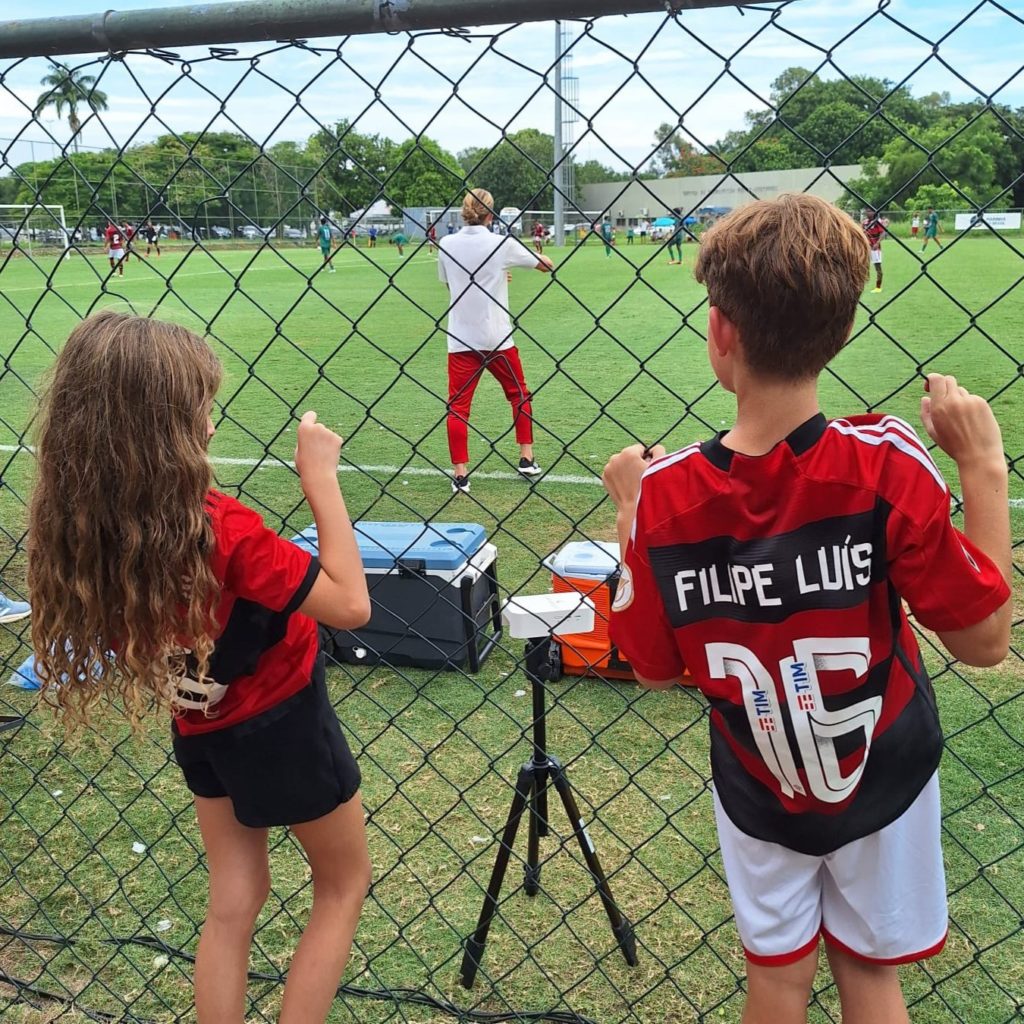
(722, 332)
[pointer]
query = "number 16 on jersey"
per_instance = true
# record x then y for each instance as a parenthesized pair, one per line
(814, 726)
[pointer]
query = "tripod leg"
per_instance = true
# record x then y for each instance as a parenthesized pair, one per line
(531, 870)
(475, 943)
(621, 928)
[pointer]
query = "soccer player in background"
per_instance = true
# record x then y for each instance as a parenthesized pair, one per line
(931, 229)
(539, 234)
(323, 234)
(129, 237)
(676, 240)
(773, 562)
(152, 237)
(371, 237)
(399, 241)
(607, 235)
(114, 237)
(475, 264)
(432, 239)
(915, 224)
(874, 228)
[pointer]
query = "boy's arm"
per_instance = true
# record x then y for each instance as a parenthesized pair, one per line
(339, 597)
(624, 524)
(962, 424)
(636, 601)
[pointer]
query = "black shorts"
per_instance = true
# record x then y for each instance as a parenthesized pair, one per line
(288, 765)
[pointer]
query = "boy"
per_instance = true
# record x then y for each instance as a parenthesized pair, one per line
(915, 224)
(772, 562)
(607, 234)
(398, 239)
(323, 234)
(931, 229)
(875, 230)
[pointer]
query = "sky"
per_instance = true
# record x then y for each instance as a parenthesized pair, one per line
(705, 69)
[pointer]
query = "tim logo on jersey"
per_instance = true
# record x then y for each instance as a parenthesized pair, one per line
(830, 563)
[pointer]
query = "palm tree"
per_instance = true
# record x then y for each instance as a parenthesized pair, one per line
(68, 89)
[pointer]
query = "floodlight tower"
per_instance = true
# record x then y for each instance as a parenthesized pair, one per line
(567, 94)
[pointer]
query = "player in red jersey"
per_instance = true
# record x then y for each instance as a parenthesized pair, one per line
(874, 228)
(114, 238)
(129, 236)
(539, 235)
(772, 562)
(211, 616)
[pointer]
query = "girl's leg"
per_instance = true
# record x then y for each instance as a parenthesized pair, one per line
(236, 857)
(779, 995)
(336, 847)
(869, 993)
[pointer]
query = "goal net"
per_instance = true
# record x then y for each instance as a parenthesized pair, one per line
(34, 228)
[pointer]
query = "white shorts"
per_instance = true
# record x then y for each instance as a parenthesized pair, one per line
(881, 898)
(876, 255)
(116, 254)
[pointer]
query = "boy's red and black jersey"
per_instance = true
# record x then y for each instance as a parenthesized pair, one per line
(779, 581)
(266, 649)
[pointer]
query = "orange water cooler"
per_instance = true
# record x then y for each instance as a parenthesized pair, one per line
(590, 568)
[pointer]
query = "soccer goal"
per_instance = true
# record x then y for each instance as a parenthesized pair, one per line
(31, 227)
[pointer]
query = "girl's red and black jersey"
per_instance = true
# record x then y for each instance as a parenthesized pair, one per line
(266, 649)
(779, 582)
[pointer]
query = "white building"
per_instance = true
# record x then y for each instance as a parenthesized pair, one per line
(629, 202)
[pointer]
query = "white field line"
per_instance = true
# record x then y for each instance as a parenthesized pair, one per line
(275, 463)
(272, 462)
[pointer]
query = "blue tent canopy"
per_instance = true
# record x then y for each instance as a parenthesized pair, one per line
(670, 222)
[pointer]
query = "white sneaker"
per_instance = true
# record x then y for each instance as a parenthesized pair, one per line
(13, 611)
(460, 485)
(529, 467)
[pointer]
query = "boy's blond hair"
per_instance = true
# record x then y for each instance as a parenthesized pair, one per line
(788, 272)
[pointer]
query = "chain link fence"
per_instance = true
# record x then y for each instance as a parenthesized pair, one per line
(895, 106)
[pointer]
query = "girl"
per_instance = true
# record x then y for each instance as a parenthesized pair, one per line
(191, 605)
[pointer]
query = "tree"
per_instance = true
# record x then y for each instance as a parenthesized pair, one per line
(355, 163)
(676, 157)
(424, 174)
(517, 170)
(593, 172)
(68, 90)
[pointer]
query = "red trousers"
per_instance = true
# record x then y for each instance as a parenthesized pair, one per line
(464, 372)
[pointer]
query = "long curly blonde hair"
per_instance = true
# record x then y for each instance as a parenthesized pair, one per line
(119, 540)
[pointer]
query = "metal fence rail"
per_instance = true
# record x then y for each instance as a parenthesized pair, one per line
(102, 879)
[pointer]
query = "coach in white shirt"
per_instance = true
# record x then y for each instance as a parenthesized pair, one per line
(474, 263)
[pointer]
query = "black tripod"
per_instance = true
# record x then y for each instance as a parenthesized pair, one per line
(532, 791)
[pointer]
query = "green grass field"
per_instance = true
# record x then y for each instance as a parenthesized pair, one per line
(614, 352)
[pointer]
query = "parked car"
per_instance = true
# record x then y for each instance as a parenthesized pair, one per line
(290, 232)
(253, 231)
(219, 231)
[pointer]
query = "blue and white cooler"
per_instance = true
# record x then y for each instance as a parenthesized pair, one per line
(433, 592)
